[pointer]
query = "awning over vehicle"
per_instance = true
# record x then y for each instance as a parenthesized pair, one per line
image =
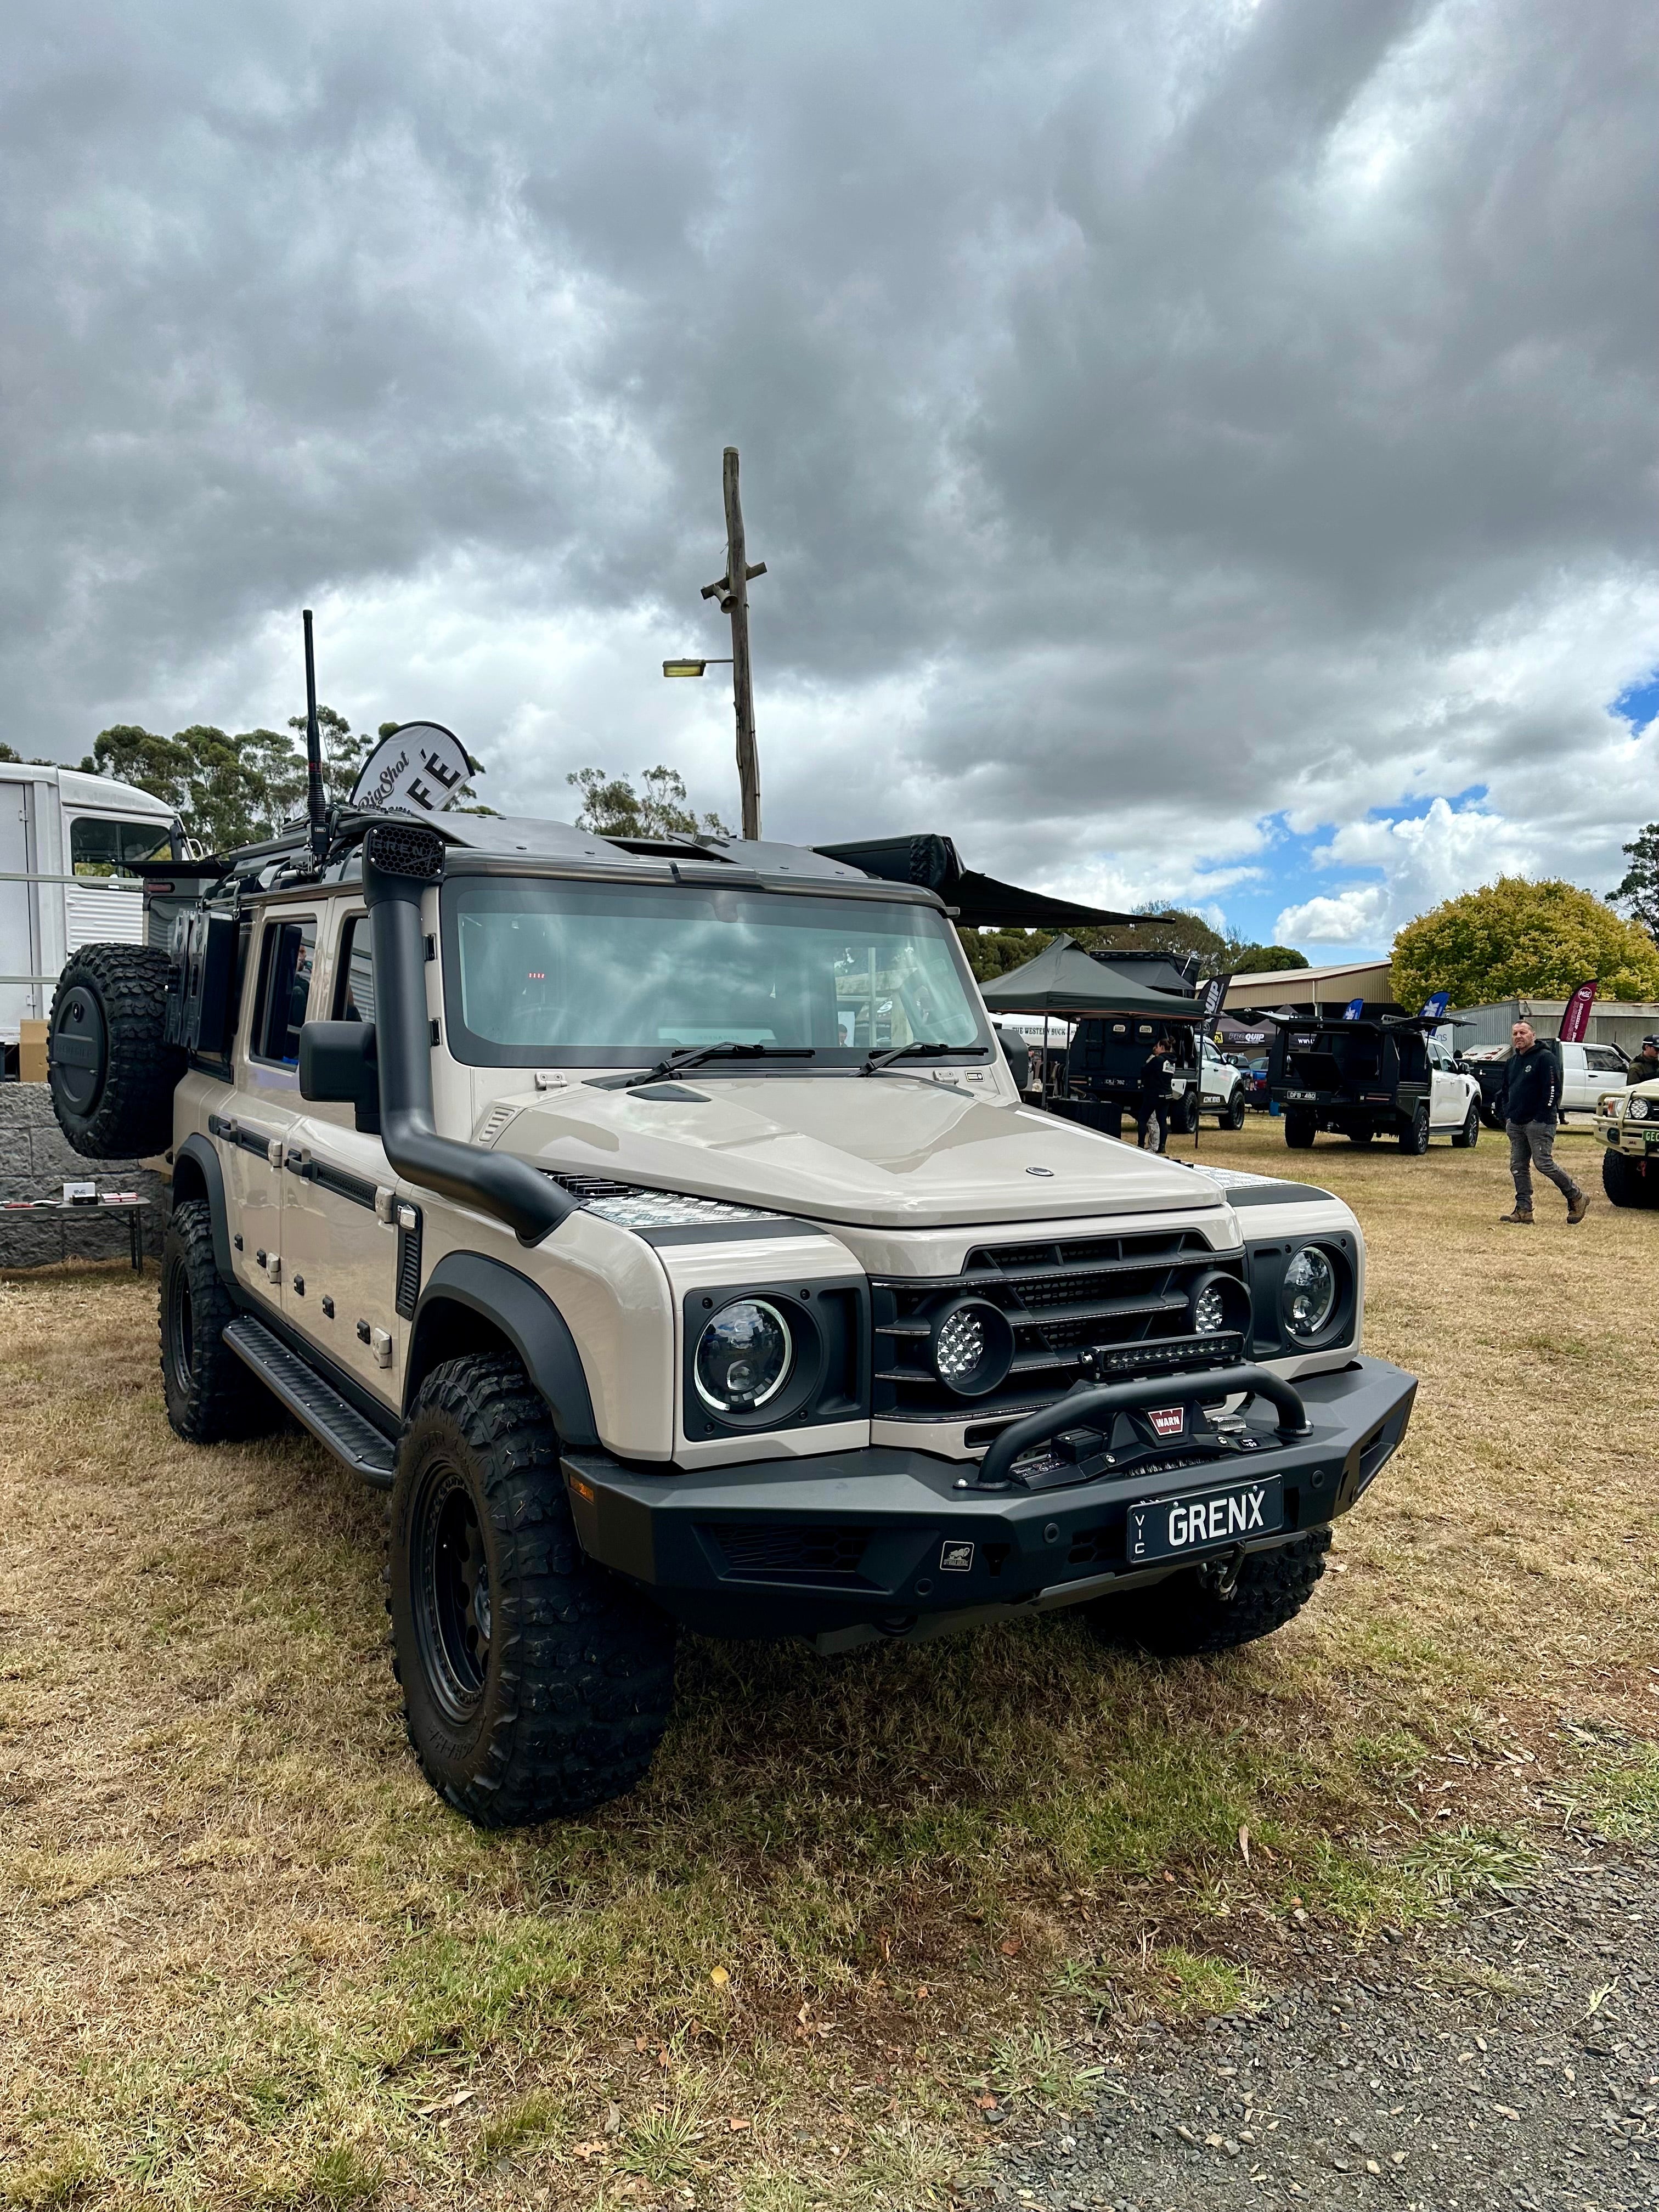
(1064, 979)
(981, 901)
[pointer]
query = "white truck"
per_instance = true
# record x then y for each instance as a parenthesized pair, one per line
(74, 851)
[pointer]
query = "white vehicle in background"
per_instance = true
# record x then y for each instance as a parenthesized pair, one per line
(74, 851)
(1224, 1088)
(1588, 1072)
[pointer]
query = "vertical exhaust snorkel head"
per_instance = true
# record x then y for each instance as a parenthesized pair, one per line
(402, 860)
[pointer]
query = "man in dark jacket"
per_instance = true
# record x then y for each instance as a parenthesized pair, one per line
(1646, 1066)
(1152, 1118)
(1532, 1092)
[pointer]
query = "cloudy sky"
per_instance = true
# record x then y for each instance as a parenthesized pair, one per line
(1200, 451)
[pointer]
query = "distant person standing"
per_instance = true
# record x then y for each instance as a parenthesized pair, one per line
(1532, 1094)
(1152, 1114)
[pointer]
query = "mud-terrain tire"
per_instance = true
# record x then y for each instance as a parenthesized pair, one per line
(1182, 1619)
(1469, 1135)
(1414, 1137)
(1625, 1185)
(550, 1696)
(210, 1397)
(1299, 1131)
(1234, 1117)
(112, 1071)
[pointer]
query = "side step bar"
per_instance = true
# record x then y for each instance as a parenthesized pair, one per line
(329, 1417)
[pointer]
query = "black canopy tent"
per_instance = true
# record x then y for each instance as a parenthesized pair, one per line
(1066, 980)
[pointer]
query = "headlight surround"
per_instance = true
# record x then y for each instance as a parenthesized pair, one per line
(1637, 1109)
(745, 1356)
(1308, 1292)
(972, 1346)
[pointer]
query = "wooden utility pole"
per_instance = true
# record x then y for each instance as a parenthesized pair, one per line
(732, 593)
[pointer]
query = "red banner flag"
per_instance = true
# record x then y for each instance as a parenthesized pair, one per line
(1575, 1018)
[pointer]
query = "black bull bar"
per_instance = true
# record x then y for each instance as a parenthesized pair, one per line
(899, 1539)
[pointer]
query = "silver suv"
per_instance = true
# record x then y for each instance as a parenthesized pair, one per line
(659, 1225)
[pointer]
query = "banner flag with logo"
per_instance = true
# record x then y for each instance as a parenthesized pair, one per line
(419, 770)
(1353, 1010)
(1575, 1018)
(1215, 999)
(1436, 1004)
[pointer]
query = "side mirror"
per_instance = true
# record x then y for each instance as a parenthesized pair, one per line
(338, 1065)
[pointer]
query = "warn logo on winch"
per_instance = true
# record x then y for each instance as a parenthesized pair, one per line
(1167, 1421)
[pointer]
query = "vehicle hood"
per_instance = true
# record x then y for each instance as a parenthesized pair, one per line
(1649, 1090)
(891, 1150)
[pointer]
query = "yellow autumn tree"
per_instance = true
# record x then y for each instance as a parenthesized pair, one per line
(1515, 938)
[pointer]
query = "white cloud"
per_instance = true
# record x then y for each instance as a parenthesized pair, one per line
(1156, 420)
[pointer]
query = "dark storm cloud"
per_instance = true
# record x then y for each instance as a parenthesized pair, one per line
(1153, 419)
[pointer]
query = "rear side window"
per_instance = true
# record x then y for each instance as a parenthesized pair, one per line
(285, 966)
(354, 987)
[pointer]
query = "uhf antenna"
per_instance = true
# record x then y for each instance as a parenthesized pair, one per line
(316, 803)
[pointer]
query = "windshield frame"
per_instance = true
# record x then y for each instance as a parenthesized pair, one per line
(930, 919)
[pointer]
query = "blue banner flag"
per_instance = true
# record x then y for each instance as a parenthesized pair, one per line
(1353, 1010)
(1437, 1006)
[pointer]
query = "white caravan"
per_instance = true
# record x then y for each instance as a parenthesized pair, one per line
(73, 851)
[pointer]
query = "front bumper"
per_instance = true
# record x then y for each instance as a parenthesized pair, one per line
(886, 1541)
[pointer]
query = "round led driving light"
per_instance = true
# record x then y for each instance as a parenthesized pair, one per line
(1308, 1295)
(1637, 1109)
(1209, 1310)
(972, 1346)
(744, 1357)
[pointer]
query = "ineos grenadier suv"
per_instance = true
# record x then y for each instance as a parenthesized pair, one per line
(659, 1225)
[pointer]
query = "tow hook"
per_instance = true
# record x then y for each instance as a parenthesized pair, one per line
(1218, 1575)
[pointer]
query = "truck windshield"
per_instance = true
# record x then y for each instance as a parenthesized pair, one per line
(543, 973)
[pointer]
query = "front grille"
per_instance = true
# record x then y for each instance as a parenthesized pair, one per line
(1126, 1295)
(786, 1553)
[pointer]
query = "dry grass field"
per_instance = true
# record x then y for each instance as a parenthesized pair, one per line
(251, 1960)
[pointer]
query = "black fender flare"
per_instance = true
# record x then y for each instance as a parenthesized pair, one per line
(200, 1155)
(531, 1323)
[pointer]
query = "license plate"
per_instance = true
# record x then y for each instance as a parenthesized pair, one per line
(1302, 1094)
(1168, 1527)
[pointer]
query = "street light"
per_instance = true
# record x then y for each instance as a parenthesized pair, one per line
(692, 667)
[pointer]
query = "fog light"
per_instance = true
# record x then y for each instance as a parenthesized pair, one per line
(972, 1347)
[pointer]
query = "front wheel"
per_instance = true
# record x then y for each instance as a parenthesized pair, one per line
(1469, 1135)
(1625, 1184)
(1414, 1137)
(1299, 1132)
(1203, 1609)
(536, 1685)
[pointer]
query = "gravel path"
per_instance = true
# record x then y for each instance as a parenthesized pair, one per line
(1511, 2059)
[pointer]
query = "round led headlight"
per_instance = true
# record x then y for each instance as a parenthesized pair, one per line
(972, 1346)
(1637, 1109)
(744, 1356)
(1307, 1295)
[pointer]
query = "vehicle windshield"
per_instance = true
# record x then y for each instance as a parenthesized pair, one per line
(550, 973)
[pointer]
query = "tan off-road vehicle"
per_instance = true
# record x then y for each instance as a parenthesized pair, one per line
(659, 1225)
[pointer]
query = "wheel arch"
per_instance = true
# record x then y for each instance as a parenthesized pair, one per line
(197, 1174)
(474, 1304)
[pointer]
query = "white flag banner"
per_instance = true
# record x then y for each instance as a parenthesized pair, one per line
(418, 769)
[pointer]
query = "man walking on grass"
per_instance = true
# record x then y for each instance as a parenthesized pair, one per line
(1532, 1093)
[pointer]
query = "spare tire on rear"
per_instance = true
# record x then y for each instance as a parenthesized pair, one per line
(112, 1071)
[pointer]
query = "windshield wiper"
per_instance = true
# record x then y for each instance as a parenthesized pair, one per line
(921, 1050)
(692, 1056)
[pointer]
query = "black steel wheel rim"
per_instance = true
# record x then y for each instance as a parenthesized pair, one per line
(181, 1329)
(452, 1594)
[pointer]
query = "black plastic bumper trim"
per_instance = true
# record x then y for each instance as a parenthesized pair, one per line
(932, 1548)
